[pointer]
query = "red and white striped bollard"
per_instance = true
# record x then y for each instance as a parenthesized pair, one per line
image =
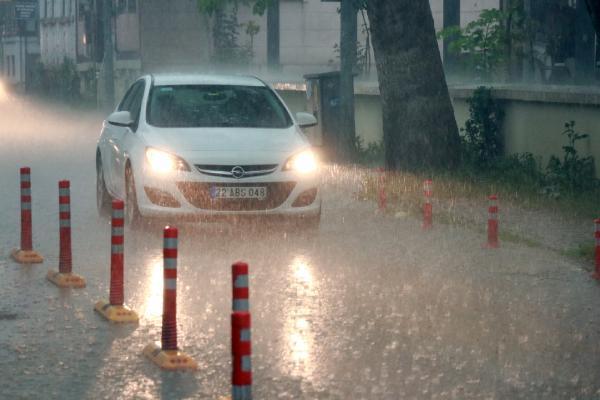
(166, 354)
(493, 242)
(427, 206)
(65, 277)
(241, 291)
(114, 309)
(596, 274)
(26, 254)
(382, 193)
(241, 350)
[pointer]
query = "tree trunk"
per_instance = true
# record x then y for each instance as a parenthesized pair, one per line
(273, 33)
(348, 39)
(594, 10)
(451, 18)
(419, 127)
(108, 62)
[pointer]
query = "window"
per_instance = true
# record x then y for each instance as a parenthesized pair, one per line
(216, 106)
(132, 6)
(121, 6)
(126, 6)
(63, 8)
(132, 101)
(14, 69)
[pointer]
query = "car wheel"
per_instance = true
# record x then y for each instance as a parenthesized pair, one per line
(133, 217)
(103, 198)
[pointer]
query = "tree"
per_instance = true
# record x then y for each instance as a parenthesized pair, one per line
(273, 20)
(225, 27)
(593, 7)
(420, 130)
(348, 40)
(481, 45)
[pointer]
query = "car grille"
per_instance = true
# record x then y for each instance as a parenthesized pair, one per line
(198, 194)
(250, 171)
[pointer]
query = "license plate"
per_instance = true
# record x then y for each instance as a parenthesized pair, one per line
(238, 192)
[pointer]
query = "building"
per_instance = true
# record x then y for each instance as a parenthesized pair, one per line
(157, 35)
(19, 42)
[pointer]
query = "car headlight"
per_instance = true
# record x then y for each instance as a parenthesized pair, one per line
(303, 162)
(161, 161)
(3, 93)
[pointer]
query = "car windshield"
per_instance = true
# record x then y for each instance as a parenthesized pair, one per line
(215, 106)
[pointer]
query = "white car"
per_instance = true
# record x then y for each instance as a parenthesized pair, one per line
(204, 146)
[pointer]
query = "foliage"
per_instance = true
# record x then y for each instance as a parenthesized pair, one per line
(362, 57)
(371, 154)
(573, 173)
(225, 29)
(57, 81)
(482, 154)
(481, 44)
(363, 52)
(481, 139)
(209, 7)
(520, 169)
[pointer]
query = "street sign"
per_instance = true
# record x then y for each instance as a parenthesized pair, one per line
(25, 9)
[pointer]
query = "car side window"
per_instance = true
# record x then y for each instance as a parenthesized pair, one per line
(132, 102)
(126, 102)
(136, 103)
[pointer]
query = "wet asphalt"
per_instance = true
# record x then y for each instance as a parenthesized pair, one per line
(366, 307)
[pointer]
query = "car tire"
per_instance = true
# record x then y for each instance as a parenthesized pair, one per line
(103, 198)
(133, 218)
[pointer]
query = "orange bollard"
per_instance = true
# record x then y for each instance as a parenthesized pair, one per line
(65, 278)
(166, 354)
(493, 242)
(427, 206)
(596, 274)
(26, 254)
(114, 309)
(382, 193)
(241, 350)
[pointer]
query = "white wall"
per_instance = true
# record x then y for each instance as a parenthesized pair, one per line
(58, 36)
(311, 28)
(15, 47)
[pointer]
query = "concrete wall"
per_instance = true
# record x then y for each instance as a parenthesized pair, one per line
(174, 36)
(14, 47)
(534, 120)
(58, 36)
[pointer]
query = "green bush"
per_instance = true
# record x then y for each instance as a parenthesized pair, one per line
(573, 173)
(481, 139)
(372, 154)
(59, 82)
(482, 154)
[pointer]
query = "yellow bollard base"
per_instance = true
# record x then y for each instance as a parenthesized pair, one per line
(117, 314)
(27, 256)
(169, 359)
(65, 280)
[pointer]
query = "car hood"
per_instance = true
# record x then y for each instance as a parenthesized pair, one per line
(191, 140)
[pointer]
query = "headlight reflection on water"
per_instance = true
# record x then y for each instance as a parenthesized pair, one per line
(3, 92)
(153, 298)
(301, 305)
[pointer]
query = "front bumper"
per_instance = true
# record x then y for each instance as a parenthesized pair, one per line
(188, 194)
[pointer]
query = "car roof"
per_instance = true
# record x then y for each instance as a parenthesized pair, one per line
(202, 79)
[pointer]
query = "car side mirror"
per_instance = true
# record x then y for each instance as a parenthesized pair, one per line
(121, 118)
(306, 120)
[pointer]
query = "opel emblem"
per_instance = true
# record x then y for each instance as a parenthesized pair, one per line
(238, 172)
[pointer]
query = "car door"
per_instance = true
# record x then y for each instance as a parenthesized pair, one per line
(119, 137)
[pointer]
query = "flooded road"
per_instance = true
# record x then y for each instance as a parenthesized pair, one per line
(367, 307)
